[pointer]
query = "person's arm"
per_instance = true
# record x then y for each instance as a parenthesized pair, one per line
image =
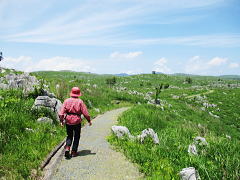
(62, 113)
(85, 113)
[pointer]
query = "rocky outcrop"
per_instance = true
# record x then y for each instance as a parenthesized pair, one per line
(19, 81)
(52, 104)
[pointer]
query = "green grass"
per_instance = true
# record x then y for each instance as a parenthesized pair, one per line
(22, 149)
(177, 126)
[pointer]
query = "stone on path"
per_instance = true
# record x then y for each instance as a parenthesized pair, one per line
(97, 160)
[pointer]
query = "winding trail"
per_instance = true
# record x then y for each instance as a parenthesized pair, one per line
(97, 160)
(208, 92)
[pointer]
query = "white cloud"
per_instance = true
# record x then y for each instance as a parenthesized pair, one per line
(195, 65)
(57, 63)
(233, 65)
(214, 66)
(130, 55)
(102, 24)
(161, 66)
(217, 61)
(20, 63)
(63, 63)
(211, 40)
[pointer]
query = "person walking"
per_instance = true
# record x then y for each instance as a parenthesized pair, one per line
(70, 115)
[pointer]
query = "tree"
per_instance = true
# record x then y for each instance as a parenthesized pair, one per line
(188, 80)
(159, 90)
(111, 81)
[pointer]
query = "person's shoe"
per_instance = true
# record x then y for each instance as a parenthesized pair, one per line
(67, 155)
(74, 154)
(67, 152)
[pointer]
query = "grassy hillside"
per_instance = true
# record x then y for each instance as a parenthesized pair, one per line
(97, 94)
(181, 117)
(178, 119)
(24, 143)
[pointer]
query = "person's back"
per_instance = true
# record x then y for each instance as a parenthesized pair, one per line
(74, 107)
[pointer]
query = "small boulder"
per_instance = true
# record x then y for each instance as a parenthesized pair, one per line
(52, 104)
(192, 149)
(29, 129)
(175, 97)
(97, 110)
(148, 132)
(3, 86)
(121, 131)
(45, 120)
(200, 141)
(47, 102)
(189, 174)
(229, 137)
(213, 115)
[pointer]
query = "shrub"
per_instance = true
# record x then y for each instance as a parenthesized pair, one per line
(188, 80)
(111, 81)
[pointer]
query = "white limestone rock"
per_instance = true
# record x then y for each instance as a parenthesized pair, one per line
(148, 132)
(121, 131)
(192, 149)
(189, 173)
(200, 141)
(213, 115)
(52, 104)
(97, 110)
(45, 120)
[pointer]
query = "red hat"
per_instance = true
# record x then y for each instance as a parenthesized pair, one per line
(75, 92)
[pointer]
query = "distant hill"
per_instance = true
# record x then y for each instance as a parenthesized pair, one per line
(122, 74)
(230, 77)
(183, 74)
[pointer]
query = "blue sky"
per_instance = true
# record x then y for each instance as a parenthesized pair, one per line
(122, 36)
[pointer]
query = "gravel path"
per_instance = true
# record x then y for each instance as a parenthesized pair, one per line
(97, 160)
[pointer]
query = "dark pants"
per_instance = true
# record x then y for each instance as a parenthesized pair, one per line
(76, 131)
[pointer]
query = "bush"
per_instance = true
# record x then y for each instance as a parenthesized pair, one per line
(111, 81)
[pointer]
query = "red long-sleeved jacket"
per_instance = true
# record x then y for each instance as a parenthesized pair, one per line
(71, 111)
